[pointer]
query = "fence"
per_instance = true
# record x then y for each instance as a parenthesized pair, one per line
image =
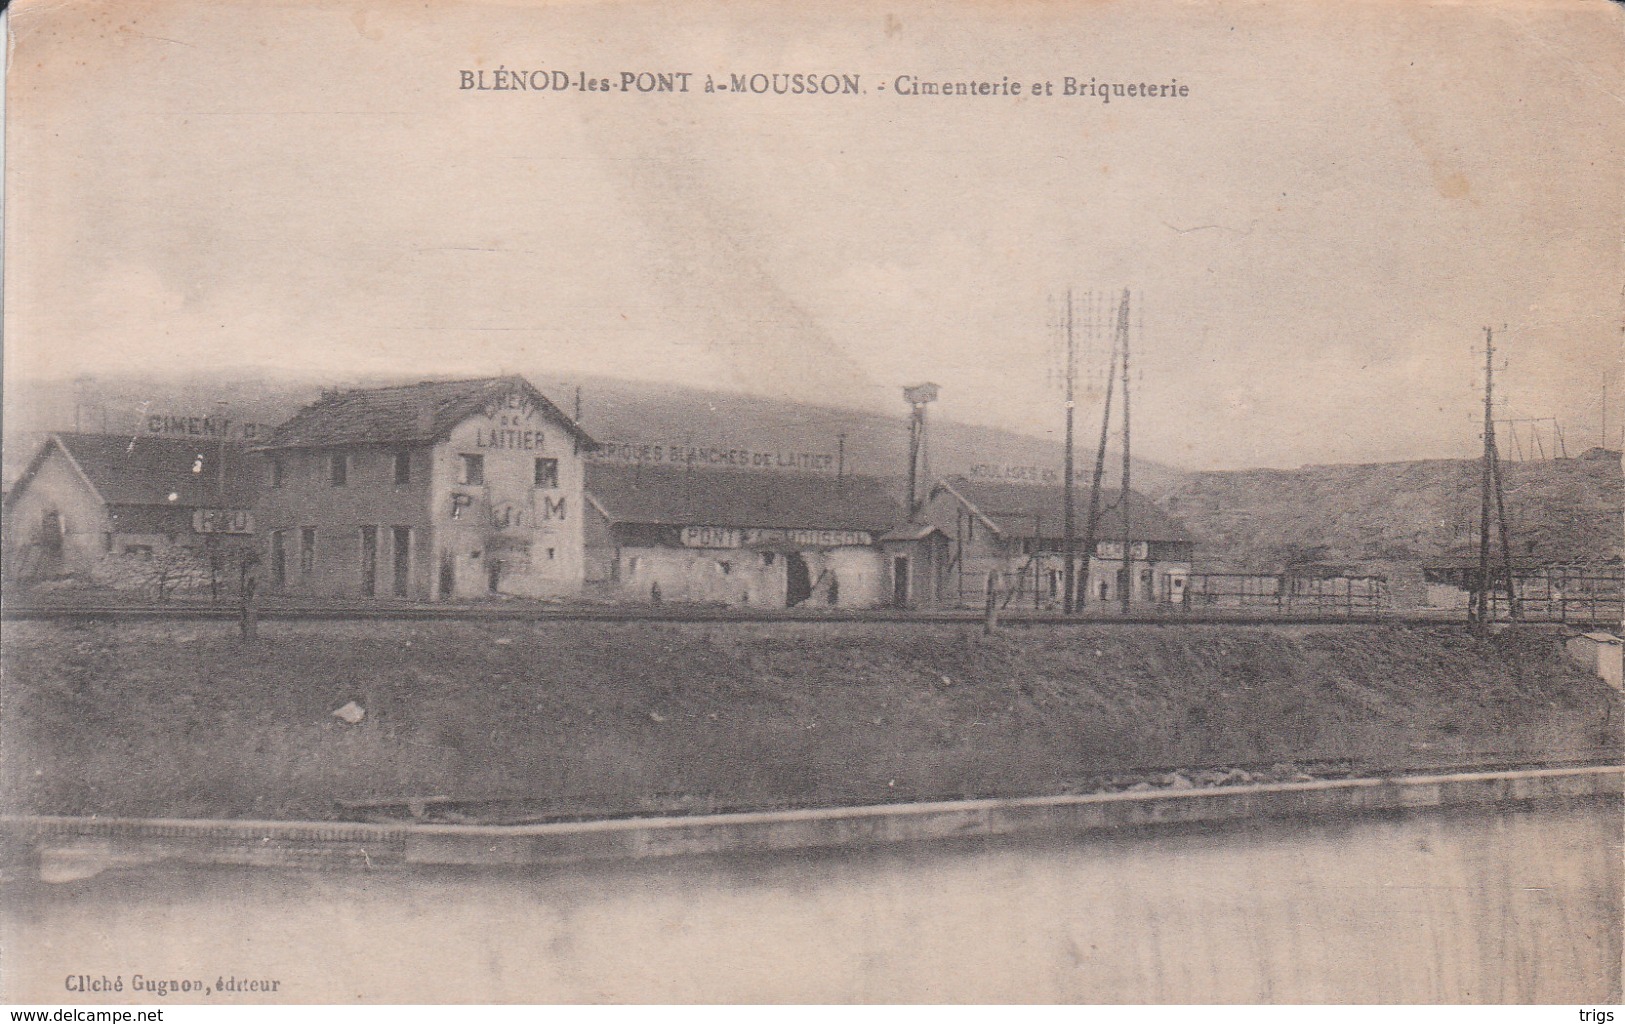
(1039, 587)
(1286, 594)
(1563, 595)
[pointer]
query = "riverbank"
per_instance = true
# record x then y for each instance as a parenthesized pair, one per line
(593, 719)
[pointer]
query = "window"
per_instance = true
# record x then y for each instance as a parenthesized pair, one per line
(403, 467)
(767, 558)
(277, 471)
(307, 549)
(338, 467)
(547, 472)
(369, 561)
(473, 470)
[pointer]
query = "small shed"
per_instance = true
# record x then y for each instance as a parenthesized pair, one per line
(1601, 653)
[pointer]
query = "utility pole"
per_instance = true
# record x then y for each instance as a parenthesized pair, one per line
(840, 459)
(1486, 484)
(1122, 499)
(1089, 537)
(220, 468)
(1068, 520)
(1506, 543)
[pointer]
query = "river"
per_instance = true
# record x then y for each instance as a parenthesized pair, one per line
(1483, 905)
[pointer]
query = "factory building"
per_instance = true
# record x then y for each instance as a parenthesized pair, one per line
(106, 505)
(1017, 531)
(430, 491)
(662, 534)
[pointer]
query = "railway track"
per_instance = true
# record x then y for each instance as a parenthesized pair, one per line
(196, 613)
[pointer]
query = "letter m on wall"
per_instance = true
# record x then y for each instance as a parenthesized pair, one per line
(553, 508)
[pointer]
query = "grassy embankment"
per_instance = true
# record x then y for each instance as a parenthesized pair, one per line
(182, 720)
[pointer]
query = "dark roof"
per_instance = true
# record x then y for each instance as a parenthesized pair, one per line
(408, 414)
(1023, 510)
(146, 470)
(707, 497)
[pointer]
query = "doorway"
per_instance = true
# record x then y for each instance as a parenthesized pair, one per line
(51, 532)
(899, 581)
(448, 577)
(402, 537)
(797, 579)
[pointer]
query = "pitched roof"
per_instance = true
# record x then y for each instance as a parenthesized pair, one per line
(407, 414)
(707, 497)
(146, 470)
(1026, 510)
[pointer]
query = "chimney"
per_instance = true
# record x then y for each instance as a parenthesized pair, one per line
(918, 397)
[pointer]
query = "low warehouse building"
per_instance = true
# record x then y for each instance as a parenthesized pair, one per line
(749, 539)
(1017, 531)
(430, 491)
(119, 509)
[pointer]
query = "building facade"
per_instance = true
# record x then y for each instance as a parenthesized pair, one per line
(1017, 533)
(748, 539)
(426, 492)
(128, 511)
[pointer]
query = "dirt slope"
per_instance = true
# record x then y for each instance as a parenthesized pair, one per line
(180, 720)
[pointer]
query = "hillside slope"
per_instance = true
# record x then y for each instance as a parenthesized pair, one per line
(1399, 511)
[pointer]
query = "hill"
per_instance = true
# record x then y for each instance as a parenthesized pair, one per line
(1567, 509)
(632, 417)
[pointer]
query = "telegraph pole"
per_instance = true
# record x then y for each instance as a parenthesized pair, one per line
(1068, 524)
(1100, 451)
(1506, 543)
(1128, 527)
(1486, 484)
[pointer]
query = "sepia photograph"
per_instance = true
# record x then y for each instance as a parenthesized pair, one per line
(944, 502)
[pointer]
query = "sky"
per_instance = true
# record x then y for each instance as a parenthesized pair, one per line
(1313, 238)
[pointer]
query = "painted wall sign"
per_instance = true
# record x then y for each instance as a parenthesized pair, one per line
(1014, 474)
(216, 427)
(809, 538)
(1114, 549)
(750, 537)
(713, 456)
(513, 407)
(509, 439)
(222, 520)
(711, 537)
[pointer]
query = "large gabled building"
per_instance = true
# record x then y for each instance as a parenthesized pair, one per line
(426, 491)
